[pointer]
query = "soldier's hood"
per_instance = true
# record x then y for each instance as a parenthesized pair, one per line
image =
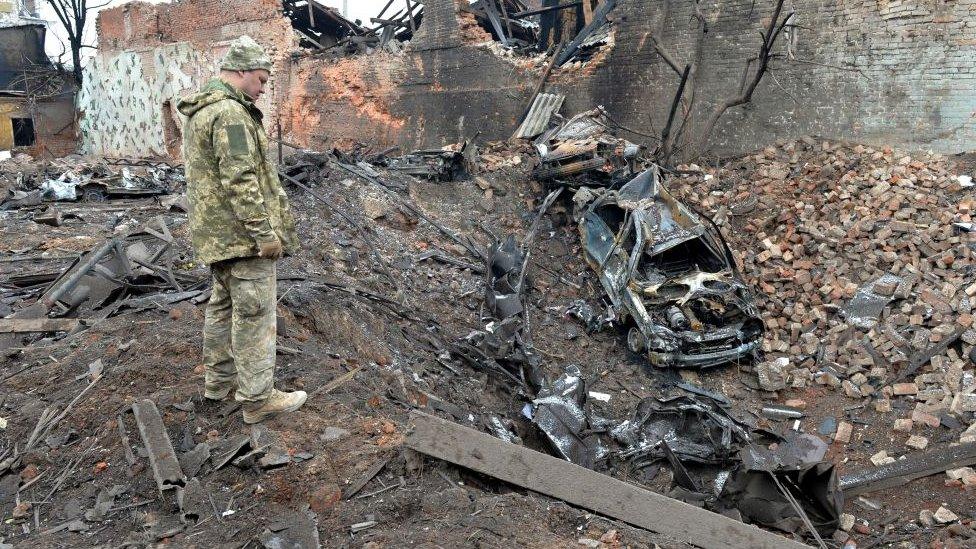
(212, 92)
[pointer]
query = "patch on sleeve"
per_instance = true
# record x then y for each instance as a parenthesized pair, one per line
(237, 139)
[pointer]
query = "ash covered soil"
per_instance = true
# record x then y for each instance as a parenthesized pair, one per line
(364, 323)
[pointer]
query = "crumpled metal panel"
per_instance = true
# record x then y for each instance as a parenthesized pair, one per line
(866, 306)
(795, 466)
(696, 429)
(559, 412)
(540, 113)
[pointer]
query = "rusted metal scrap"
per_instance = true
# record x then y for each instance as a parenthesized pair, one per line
(436, 164)
(669, 274)
(584, 151)
(162, 457)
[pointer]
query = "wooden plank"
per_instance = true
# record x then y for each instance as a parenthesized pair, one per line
(587, 12)
(583, 487)
(906, 470)
(359, 483)
(28, 325)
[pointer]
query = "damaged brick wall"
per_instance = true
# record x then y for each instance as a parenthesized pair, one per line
(440, 28)
(447, 86)
(898, 72)
(888, 71)
(151, 55)
(35, 97)
(419, 99)
(893, 71)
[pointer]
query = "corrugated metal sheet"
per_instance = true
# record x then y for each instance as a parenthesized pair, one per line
(544, 106)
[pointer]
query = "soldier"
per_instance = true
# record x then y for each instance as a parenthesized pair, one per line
(240, 224)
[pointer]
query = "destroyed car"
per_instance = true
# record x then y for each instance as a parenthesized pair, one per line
(584, 151)
(669, 274)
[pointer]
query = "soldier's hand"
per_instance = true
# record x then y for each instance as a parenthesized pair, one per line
(270, 249)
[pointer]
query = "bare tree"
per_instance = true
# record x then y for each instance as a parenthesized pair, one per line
(73, 15)
(677, 131)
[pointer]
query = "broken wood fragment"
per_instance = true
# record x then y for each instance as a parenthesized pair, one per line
(906, 470)
(130, 458)
(583, 487)
(162, 456)
(359, 483)
(30, 325)
(335, 383)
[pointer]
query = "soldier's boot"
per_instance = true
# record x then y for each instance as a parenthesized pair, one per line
(278, 403)
(218, 393)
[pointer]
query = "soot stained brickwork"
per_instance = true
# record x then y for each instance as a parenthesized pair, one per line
(900, 72)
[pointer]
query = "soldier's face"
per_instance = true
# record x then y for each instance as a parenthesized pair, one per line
(253, 82)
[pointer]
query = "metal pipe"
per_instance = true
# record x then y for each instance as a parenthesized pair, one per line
(73, 280)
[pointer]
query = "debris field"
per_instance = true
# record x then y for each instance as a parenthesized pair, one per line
(458, 285)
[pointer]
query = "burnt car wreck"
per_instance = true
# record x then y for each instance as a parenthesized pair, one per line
(669, 274)
(585, 151)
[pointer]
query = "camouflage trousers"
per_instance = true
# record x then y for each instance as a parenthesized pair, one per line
(239, 332)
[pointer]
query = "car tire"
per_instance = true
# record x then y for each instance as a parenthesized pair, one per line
(635, 340)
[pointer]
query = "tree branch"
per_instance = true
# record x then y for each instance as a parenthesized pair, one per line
(665, 56)
(664, 152)
(772, 31)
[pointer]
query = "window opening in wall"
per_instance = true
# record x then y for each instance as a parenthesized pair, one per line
(23, 132)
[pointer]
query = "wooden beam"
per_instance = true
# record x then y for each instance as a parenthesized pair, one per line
(413, 28)
(508, 22)
(29, 325)
(585, 488)
(540, 11)
(587, 12)
(599, 17)
(906, 470)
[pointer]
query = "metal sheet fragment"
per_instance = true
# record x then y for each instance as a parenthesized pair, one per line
(864, 309)
(540, 113)
(162, 457)
(559, 412)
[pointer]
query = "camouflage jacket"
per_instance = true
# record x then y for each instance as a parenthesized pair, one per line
(236, 199)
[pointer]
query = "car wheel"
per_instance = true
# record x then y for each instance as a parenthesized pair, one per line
(635, 340)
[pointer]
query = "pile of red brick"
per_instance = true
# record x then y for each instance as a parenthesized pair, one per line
(812, 225)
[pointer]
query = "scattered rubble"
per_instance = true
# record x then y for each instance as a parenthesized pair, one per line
(468, 298)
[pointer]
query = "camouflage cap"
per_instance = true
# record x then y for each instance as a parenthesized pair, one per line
(245, 55)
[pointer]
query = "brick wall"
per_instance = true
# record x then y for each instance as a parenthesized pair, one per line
(150, 55)
(900, 72)
(891, 71)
